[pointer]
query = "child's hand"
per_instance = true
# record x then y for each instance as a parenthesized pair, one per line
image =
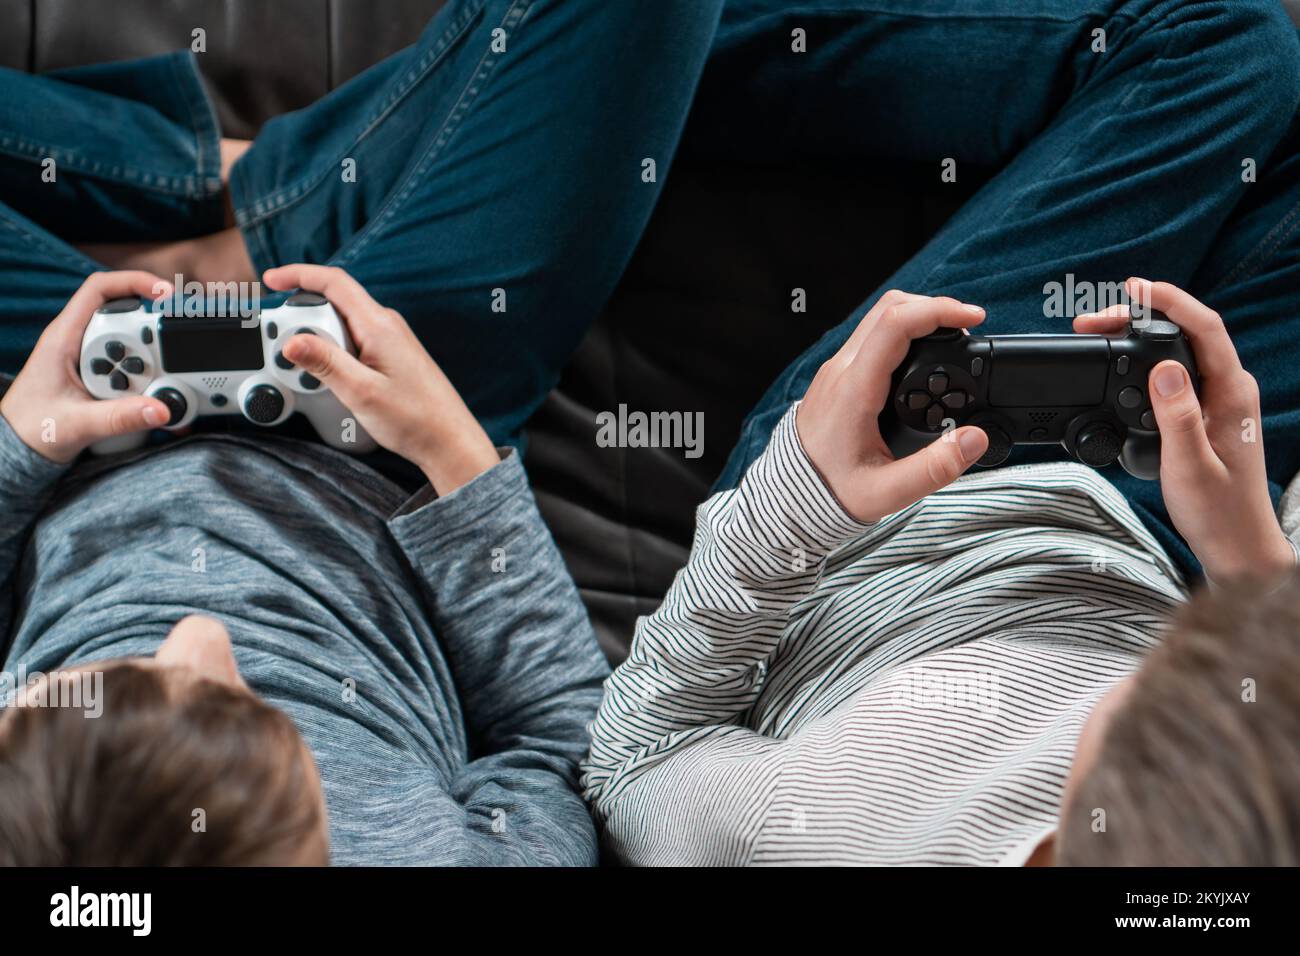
(1211, 451)
(837, 420)
(396, 391)
(48, 406)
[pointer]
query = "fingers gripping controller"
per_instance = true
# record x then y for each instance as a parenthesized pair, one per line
(1087, 393)
(200, 367)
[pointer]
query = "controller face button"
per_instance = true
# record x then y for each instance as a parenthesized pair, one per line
(937, 383)
(1148, 420)
(115, 350)
(146, 335)
(118, 382)
(1098, 445)
(934, 415)
(977, 366)
(999, 447)
(175, 402)
(918, 400)
(100, 366)
(955, 400)
(309, 381)
(282, 362)
(1121, 365)
(272, 330)
(219, 400)
(1130, 397)
(133, 365)
(263, 404)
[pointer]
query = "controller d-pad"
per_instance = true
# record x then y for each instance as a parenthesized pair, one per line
(918, 400)
(117, 366)
(934, 415)
(937, 383)
(955, 400)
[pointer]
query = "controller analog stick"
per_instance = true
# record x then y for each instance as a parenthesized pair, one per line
(176, 404)
(1098, 445)
(999, 449)
(263, 404)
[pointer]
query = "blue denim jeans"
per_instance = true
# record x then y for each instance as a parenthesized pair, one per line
(521, 170)
(1127, 162)
(491, 186)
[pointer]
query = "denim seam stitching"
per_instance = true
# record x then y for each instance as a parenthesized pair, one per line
(75, 162)
(202, 121)
(274, 203)
(916, 15)
(188, 187)
(513, 17)
(1264, 249)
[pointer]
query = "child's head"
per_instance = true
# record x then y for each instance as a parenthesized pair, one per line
(1195, 760)
(177, 763)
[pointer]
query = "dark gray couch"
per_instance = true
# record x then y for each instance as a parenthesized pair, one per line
(700, 322)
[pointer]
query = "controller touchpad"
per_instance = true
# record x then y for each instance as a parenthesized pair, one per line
(209, 345)
(1048, 371)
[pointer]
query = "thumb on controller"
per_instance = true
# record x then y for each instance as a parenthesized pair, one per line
(936, 466)
(122, 416)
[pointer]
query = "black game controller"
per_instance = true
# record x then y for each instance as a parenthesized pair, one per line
(1085, 392)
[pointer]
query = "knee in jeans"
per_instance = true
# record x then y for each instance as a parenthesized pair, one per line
(1245, 49)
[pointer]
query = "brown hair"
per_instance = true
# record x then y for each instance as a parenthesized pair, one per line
(1200, 764)
(176, 772)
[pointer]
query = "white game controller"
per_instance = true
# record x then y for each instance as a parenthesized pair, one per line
(217, 366)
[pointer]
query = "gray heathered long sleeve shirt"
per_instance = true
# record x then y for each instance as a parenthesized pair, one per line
(433, 652)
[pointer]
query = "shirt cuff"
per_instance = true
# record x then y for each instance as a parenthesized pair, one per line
(426, 520)
(789, 503)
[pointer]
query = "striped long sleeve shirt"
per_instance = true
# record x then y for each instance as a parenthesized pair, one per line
(816, 690)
